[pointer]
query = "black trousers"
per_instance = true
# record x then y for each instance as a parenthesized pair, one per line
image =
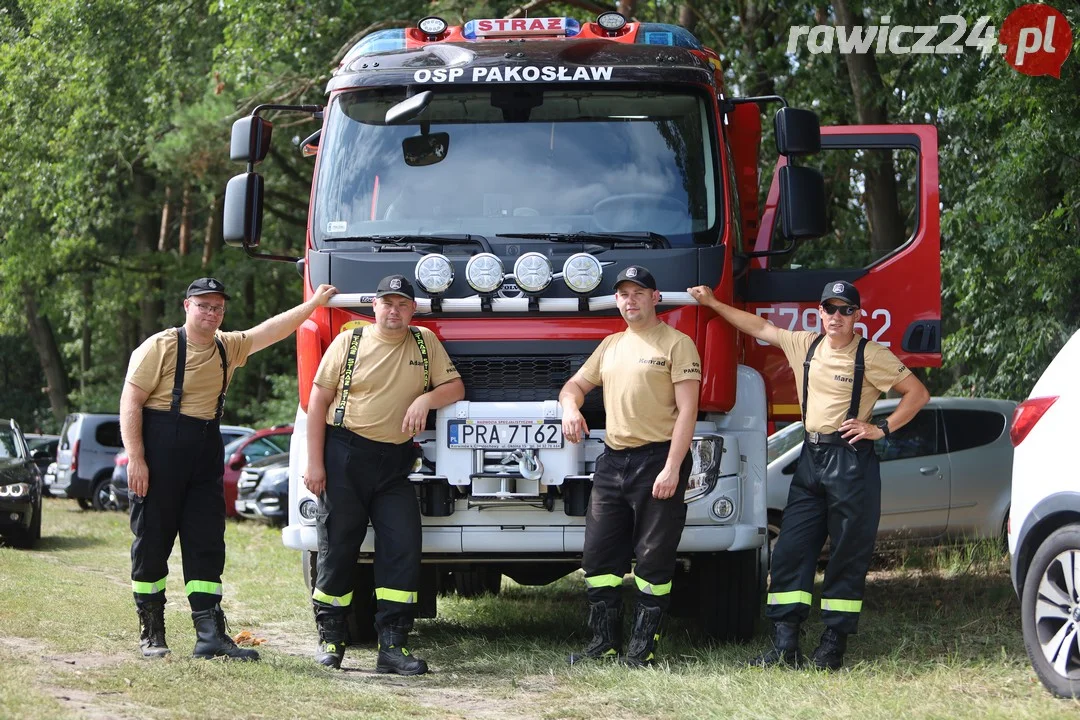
(836, 491)
(625, 521)
(185, 496)
(368, 481)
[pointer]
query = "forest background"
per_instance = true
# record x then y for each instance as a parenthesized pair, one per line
(115, 120)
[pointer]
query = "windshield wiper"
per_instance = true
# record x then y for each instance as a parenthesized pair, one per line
(404, 240)
(655, 239)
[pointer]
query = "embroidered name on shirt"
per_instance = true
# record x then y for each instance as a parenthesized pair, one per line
(659, 362)
(841, 378)
(416, 362)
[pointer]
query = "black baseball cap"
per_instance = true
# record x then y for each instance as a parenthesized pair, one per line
(637, 275)
(206, 286)
(395, 285)
(841, 290)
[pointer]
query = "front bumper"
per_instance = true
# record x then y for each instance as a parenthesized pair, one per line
(16, 513)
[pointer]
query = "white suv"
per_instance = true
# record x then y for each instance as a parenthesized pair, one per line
(1044, 524)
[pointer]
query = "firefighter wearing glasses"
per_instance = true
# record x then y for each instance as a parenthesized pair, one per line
(651, 374)
(169, 413)
(836, 490)
(372, 394)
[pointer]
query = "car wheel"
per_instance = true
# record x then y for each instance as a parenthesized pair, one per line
(773, 525)
(85, 504)
(1050, 612)
(27, 538)
(100, 498)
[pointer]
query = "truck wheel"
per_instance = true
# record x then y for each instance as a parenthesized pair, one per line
(361, 617)
(477, 582)
(1049, 610)
(728, 594)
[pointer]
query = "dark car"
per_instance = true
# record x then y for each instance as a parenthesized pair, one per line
(263, 490)
(20, 489)
(118, 486)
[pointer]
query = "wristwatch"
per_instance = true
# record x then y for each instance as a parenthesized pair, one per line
(884, 425)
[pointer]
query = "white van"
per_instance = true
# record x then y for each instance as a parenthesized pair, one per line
(84, 460)
(1044, 526)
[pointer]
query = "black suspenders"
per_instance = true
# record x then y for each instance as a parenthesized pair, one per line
(350, 366)
(856, 387)
(181, 365)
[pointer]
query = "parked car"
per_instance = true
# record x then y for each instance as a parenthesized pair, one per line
(946, 475)
(263, 490)
(1044, 530)
(43, 449)
(118, 487)
(260, 444)
(20, 489)
(84, 460)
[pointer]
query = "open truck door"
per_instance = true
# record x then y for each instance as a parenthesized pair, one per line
(881, 184)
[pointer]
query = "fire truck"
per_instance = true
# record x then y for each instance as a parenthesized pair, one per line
(514, 167)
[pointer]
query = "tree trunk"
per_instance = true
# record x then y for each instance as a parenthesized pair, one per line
(185, 222)
(627, 7)
(163, 235)
(87, 333)
(687, 17)
(41, 335)
(210, 237)
(151, 307)
(871, 106)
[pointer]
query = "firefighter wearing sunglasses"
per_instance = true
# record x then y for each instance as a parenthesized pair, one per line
(836, 490)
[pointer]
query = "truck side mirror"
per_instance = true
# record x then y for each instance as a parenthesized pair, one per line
(241, 224)
(798, 132)
(802, 202)
(250, 139)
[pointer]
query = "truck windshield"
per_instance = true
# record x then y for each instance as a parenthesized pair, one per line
(519, 159)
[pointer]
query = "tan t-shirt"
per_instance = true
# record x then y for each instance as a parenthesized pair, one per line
(388, 376)
(639, 372)
(832, 377)
(153, 366)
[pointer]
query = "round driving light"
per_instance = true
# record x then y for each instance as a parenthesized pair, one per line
(533, 272)
(611, 21)
(308, 508)
(582, 273)
(723, 508)
(432, 25)
(434, 273)
(484, 272)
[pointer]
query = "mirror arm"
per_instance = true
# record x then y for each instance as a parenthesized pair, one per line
(728, 104)
(790, 247)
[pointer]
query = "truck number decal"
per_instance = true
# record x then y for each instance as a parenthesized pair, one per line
(793, 318)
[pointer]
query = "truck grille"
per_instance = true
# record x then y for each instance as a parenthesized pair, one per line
(521, 378)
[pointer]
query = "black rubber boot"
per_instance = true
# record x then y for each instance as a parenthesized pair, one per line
(332, 631)
(646, 633)
(785, 647)
(152, 629)
(605, 621)
(829, 654)
(394, 657)
(212, 640)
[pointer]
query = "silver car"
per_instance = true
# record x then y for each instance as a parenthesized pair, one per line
(946, 475)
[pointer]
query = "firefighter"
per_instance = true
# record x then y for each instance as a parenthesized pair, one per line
(836, 490)
(372, 394)
(170, 408)
(651, 373)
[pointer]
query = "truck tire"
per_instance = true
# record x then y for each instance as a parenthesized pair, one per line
(728, 590)
(361, 617)
(477, 581)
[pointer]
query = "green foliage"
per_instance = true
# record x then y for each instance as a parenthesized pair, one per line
(115, 110)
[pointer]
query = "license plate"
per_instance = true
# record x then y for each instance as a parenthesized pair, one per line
(510, 434)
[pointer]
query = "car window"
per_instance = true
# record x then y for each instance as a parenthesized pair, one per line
(783, 440)
(67, 434)
(916, 439)
(8, 444)
(966, 429)
(281, 441)
(108, 435)
(259, 449)
(228, 437)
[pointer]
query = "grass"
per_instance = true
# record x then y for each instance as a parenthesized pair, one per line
(940, 638)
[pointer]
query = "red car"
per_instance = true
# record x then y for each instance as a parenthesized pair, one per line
(238, 453)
